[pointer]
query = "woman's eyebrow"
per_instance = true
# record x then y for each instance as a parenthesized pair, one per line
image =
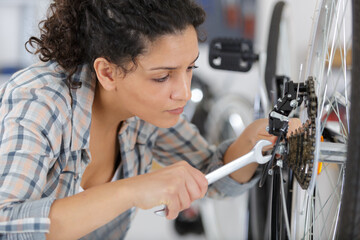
(196, 58)
(171, 68)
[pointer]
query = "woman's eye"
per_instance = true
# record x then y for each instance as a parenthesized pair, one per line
(161, 79)
(192, 68)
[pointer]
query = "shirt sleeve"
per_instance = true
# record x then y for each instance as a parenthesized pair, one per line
(29, 132)
(184, 142)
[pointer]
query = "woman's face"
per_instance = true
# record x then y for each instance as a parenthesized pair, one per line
(159, 88)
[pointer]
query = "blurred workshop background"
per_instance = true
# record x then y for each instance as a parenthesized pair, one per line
(225, 97)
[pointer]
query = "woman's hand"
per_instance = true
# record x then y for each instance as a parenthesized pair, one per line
(294, 124)
(246, 141)
(176, 186)
(257, 130)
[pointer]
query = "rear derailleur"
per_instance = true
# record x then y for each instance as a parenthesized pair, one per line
(296, 150)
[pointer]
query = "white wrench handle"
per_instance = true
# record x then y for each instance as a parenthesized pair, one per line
(255, 155)
(230, 167)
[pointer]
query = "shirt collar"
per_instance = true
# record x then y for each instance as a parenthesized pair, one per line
(82, 100)
(135, 131)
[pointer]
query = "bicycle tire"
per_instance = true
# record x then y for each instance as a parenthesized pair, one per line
(350, 214)
(272, 50)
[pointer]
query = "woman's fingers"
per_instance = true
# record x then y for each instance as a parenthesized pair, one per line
(176, 186)
(173, 209)
(197, 185)
(189, 188)
(294, 124)
(181, 202)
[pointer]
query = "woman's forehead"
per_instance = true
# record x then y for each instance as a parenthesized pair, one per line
(172, 49)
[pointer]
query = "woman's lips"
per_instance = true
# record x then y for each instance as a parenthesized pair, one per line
(176, 111)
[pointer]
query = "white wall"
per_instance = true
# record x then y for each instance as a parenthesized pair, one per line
(298, 16)
(18, 21)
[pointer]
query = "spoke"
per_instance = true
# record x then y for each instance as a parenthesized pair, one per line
(331, 182)
(332, 193)
(342, 50)
(336, 111)
(336, 34)
(331, 103)
(328, 201)
(307, 201)
(344, 130)
(313, 214)
(315, 217)
(337, 207)
(307, 216)
(336, 37)
(284, 204)
(322, 108)
(300, 72)
(340, 74)
(339, 26)
(322, 215)
(332, 54)
(328, 20)
(336, 221)
(310, 217)
(333, 199)
(340, 122)
(321, 212)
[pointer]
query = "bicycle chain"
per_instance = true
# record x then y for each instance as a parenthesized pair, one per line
(301, 143)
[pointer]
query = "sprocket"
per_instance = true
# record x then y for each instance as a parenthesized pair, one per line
(301, 143)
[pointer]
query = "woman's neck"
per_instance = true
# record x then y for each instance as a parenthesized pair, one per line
(105, 115)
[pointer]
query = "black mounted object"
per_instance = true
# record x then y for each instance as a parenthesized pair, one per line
(293, 97)
(232, 54)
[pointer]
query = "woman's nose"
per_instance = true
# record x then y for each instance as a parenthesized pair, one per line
(182, 88)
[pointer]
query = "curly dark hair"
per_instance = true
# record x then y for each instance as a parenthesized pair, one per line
(79, 31)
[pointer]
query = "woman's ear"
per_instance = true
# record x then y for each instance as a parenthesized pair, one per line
(106, 73)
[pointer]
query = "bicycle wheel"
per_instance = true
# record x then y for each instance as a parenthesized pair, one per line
(318, 191)
(263, 215)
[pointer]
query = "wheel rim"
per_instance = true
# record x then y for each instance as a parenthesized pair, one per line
(316, 210)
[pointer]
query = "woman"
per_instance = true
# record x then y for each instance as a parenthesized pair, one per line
(80, 129)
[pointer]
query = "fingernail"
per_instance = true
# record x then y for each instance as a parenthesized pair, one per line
(160, 213)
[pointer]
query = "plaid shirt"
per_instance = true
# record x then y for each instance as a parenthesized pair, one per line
(44, 150)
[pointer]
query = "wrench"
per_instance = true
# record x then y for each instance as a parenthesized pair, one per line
(255, 155)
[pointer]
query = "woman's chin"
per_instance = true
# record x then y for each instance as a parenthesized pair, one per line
(162, 120)
(165, 123)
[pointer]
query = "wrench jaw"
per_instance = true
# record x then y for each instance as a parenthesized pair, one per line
(258, 151)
